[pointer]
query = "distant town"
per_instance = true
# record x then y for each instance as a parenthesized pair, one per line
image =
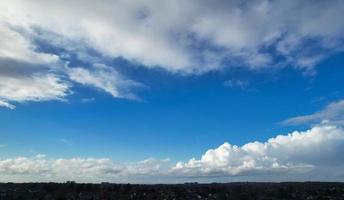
(188, 191)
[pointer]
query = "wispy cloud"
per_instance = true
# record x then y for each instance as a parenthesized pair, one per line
(241, 84)
(333, 113)
(6, 105)
(88, 100)
(106, 79)
(67, 142)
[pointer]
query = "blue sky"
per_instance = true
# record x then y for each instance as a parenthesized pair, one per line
(175, 113)
(136, 91)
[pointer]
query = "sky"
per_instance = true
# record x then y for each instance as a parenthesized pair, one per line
(171, 91)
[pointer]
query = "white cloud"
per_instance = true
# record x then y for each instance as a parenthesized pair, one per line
(180, 36)
(332, 113)
(27, 75)
(6, 105)
(242, 84)
(38, 87)
(314, 154)
(30, 75)
(23, 76)
(188, 37)
(105, 78)
(14, 46)
(297, 152)
(40, 168)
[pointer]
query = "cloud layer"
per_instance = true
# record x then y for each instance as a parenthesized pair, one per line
(39, 168)
(179, 35)
(300, 153)
(192, 37)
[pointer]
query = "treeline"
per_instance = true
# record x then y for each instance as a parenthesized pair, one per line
(192, 191)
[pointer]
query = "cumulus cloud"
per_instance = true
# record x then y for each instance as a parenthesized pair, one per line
(309, 155)
(332, 113)
(297, 152)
